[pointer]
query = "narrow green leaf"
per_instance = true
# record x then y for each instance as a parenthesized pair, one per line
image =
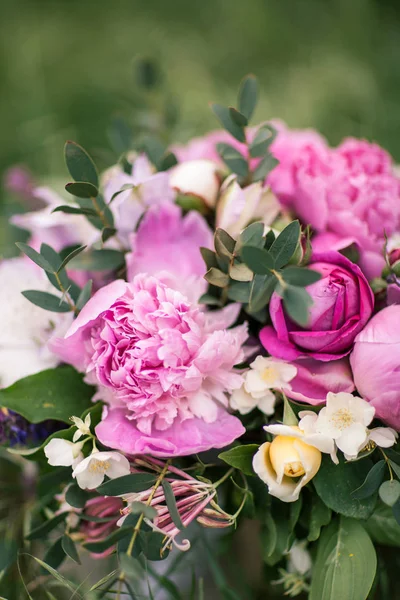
(389, 492)
(300, 276)
(46, 301)
(224, 243)
(285, 244)
(70, 256)
(239, 291)
(237, 117)
(70, 548)
(130, 566)
(138, 508)
(262, 288)
(296, 302)
(52, 257)
(82, 189)
(240, 457)
(247, 97)
(265, 167)
(110, 540)
(372, 481)
(260, 261)
(233, 159)
(223, 115)
(289, 417)
(74, 210)
(84, 295)
(168, 161)
(171, 504)
(98, 260)
(154, 149)
(262, 141)
(42, 530)
(107, 233)
(346, 563)
(209, 257)
(54, 573)
(51, 394)
(35, 257)
(79, 164)
(395, 467)
(103, 580)
(135, 482)
(252, 235)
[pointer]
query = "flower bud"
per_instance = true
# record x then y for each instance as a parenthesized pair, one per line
(280, 463)
(197, 178)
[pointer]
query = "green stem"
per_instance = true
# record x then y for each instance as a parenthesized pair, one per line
(72, 305)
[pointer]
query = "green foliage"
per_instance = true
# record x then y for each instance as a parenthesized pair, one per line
(76, 496)
(171, 504)
(389, 492)
(80, 166)
(43, 530)
(224, 117)
(69, 548)
(135, 482)
(82, 189)
(233, 159)
(46, 301)
(98, 260)
(383, 527)
(262, 141)
(335, 484)
(240, 457)
(346, 562)
(372, 481)
(247, 96)
(319, 517)
(52, 394)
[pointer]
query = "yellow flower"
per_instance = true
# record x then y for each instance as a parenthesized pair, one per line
(287, 463)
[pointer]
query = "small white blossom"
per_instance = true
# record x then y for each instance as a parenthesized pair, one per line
(91, 471)
(264, 375)
(83, 427)
(63, 453)
(384, 437)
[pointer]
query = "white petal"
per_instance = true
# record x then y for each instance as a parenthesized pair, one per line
(361, 409)
(242, 401)
(254, 383)
(353, 438)
(286, 490)
(119, 468)
(384, 437)
(267, 403)
(59, 452)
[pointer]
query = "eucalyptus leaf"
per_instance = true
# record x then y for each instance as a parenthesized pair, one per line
(135, 482)
(299, 276)
(233, 159)
(217, 277)
(296, 302)
(262, 288)
(252, 235)
(320, 516)
(70, 256)
(247, 97)
(240, 272)
(346, 563)
(55, 555)
(265, 167)
(168, 161)
(138, 508)
(35, 257)
(224, 243)
(171, 504)
(285, 244)
(76, 496)
(389, 492)
(239, 291)
(237, 117)
(84, 295)
(107, 233)
(223, 115)
(209, 257)
(42, 530)
(110, 540)
(74, 210)
(260, 261)
(46, 301)
(82, 189)
(372, 481)
(152, 543)
(79, 164)
(262, 141)
(70, 549)
(52, 394)
(240, 457)
(98, 260)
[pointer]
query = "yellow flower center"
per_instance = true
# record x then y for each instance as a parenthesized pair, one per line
(342, 418)
(294, 469)
(99, 466)
(269, 375)
(283, 453)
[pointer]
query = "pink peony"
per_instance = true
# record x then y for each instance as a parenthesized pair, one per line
(343, 303)
(167, 244)
(163, 365)
(376, 364)
(351, 192)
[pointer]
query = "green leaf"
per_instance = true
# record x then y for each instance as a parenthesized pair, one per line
(296, 302)
(42, 530)
(320, 516)
(152, 543)
(285, 244)
(289, 416)
(98, 260)
(53, 258)
(209, 257)
(75, 496)
(120, 135)
(346, 563)
(233, 159)
(252, 235)
(138, 508)
(240, 272)
(70, 548)
(300, 276)
(52, 394)
(107, 233)
(395, 467)
(247, 97)
(224, 243)
(168, 161)
(54, 573)
(70, 256)
(35, 257)
(258, 260)
(262, 141)
(82, 189)
(389, 492)
(262, 288)
(84, 295)
(265, 167)
(240, 457)
(46, 301)
(74, 210)
(154, 149)
(55, 555)
(335, 484)
(217, 277)
(130, 566)
(372, 481)
(79, 164)
(110, 540)
(8, 553)
(171, 504)
(107, 578)
(223, 115)
(237, 117)
(135, 482)
(239, 291)
(382, 526)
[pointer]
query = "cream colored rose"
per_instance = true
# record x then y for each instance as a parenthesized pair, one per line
(198, 178)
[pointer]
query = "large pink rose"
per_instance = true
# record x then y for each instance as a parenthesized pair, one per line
(375, 361)
(163, 365)
(343, 303)
(351, 192)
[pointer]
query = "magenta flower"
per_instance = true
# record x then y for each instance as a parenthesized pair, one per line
(375, 364)
(164, 367)
(167, 245)
(343, 303)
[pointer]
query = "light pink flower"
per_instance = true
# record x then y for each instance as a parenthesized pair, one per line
(168, 369)
(167, 244)
(375, 364)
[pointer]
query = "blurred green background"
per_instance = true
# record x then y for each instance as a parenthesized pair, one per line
(66, 67)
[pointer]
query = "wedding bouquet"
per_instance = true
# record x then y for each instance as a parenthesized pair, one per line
(207, 334)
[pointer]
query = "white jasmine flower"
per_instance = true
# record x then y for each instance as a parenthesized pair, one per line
(264, 375)
(344, 419)
(63, 453)
(91, 471)
(83, 427)
(287, 457)
(299, 558)
(384, 437)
